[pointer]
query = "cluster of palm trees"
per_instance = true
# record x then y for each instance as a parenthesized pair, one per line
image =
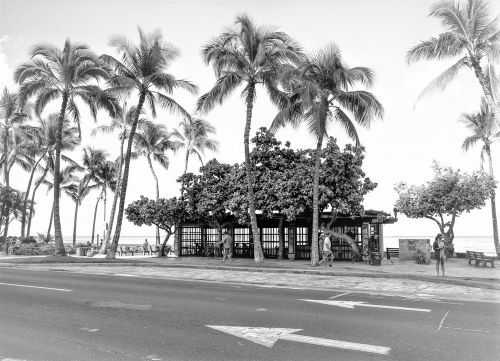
(316, 88)
(472, 38)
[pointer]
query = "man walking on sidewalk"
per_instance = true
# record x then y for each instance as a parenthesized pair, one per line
(327, 251)
(227, 241)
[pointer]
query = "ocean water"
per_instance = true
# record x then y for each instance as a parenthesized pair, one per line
(123, 239)
(462, 243)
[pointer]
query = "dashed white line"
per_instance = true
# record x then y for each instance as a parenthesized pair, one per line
(467, 329)
(442, 321)
(39, 287)
(339, 295)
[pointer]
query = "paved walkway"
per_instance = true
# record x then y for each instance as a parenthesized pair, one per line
(280, 277)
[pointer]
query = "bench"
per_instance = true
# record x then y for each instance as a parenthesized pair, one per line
(392, 252)
(480, 258)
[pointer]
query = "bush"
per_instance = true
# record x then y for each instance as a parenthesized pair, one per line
(420, 257)
(32, 249)
(27, 240)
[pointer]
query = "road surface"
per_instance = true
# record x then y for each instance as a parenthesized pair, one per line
(66, 316)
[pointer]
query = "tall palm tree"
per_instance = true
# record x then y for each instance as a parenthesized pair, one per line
(143, 69)
(483, 130)
(106, 179)
(77, 191)
(472, 36)
(322, 92)
(42, 136)
(64, 74)
(121, 124)
(152, 141)
(193, 135)
(247, 55)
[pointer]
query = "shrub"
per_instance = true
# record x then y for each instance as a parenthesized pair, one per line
(32, 249)
(420, 257)
(27, 240)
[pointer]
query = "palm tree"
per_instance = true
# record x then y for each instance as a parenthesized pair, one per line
(106, 179)
(65, 74)
(472, 36)
(143, 69)
(122, 124)
(194, 136)
(322, 93)
(42, 136)
(77, 192)
(483, 129)
(247, 55)
(152, 141)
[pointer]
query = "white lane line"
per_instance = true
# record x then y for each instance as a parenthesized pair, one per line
(340, 295)
(43, 288)
(261, 309)
(93, 330)
(352, 304)
(442, 321)
(125, 275)
(467, 329)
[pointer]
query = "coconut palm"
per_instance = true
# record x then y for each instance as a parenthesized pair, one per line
(483, 130)
(13, 202)
(42, 140)
(152, 141)
(106, 179)
(143, 69)
(247, 56)
(193, 135)
(472, 36)
(122, 125)
(77, 191)
(64, 74)
(322, 92)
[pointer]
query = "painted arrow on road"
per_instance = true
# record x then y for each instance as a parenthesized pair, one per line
(352, 304)
(268, 337)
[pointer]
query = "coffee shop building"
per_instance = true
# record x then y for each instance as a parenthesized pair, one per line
(200, 240)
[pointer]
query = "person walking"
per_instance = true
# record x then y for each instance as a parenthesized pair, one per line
(439, 252)
(327, 251)
(227, 242)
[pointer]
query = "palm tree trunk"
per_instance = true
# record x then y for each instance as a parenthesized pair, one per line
(485, 83)
(95, 214)
(493, 206)
(47, 239)
(257, 247)
(123, 191)
(186, 160)
(157, 194)
(74, 224)
(37, 184)
(115, 200)
(6, 155)
(59, 242)
(30, 181)
(315, 226)
(281, 238)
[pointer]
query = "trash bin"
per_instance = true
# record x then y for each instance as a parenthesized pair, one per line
(376, 258)
(78, 251)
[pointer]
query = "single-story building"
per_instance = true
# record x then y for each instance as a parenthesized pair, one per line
(200, 239)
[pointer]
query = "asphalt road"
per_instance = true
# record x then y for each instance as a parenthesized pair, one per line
(66, 316)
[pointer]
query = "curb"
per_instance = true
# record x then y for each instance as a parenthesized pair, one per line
(492, 284)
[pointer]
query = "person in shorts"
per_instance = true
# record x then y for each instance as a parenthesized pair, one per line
(327, 251)
(227, 242)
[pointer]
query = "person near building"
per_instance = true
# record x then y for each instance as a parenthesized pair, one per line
(326, 247)
(227, 242)
(439, 252)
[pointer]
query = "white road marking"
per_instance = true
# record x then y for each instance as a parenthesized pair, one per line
(261, 309)
(268, 337)
(220, 298)
(442, 321)
(43, 288)
(117, 304)
(352, 304)
(94, 330)
(467, 329)
(339, 295)
(125, 275)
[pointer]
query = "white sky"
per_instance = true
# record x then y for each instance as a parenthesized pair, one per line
(376, 34)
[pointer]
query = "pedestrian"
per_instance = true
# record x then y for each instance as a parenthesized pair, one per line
(327, 251)
(227, 242)
(439, 252)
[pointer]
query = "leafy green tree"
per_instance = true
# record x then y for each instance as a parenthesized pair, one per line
(64, 74)
(472, 36)
(163, 213)
(143, 69)
(483, 129)
(247, 55)
(194, 136)
(322, 92)
(443, 199)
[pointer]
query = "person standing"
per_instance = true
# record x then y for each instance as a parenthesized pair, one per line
(227, 242)
(439, 252)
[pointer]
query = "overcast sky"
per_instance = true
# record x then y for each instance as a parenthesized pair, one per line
(375, 34)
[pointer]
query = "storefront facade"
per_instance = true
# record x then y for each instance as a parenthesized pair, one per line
(200, 240)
